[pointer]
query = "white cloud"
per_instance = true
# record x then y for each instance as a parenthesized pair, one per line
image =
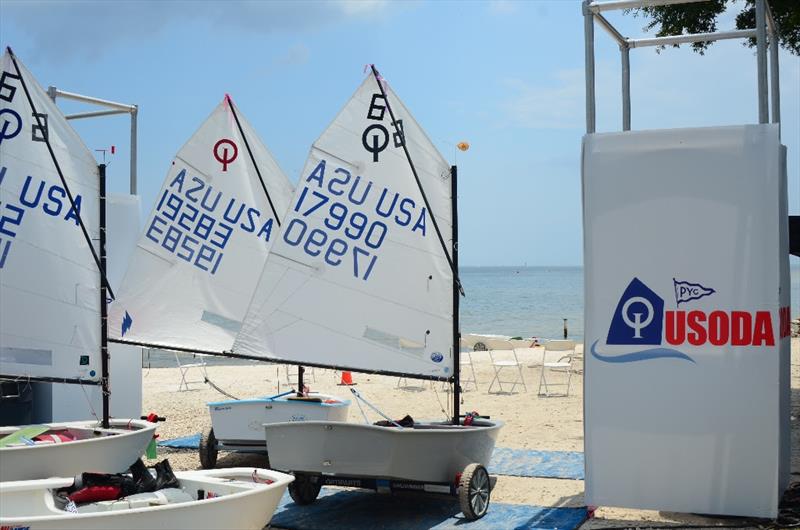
(503, 7)
(86, 29)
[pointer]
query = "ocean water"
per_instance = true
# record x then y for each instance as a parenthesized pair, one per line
(523, 301)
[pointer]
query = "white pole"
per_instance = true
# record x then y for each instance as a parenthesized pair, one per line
(626, 87)
(134, 119)
(761, 56)
(588, 31)
(775, 85)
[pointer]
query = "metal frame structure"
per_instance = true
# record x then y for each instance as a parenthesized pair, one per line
(114, 108)
(765, 24)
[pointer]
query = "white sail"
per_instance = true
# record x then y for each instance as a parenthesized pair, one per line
(49, 282)
(192, 275)
(358, 277)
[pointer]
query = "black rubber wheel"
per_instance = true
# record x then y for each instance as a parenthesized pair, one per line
(474, 491)
(208, 450)
(305, 488)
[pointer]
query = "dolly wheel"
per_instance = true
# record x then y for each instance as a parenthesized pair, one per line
(305, 488)
(474, 490)
(208, 449)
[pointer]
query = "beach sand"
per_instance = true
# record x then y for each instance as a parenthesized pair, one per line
(553, 424)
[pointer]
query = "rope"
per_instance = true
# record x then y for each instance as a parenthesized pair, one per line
(210, 383)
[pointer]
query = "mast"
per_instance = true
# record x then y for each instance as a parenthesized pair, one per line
(300, 371)
(104, 387)
(456, 293)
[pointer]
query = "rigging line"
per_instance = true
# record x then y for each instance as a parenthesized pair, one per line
(416, 177)
(89, 402)
(60, 173)
(253, 159)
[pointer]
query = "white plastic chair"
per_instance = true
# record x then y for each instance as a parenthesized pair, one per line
(200, 365)
(503, 357)
(562, 365)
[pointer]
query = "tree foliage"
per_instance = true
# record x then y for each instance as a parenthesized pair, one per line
(702, 17)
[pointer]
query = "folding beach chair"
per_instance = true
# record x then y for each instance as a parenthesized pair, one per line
(291, 374)
(503, 357)
(466, 367)
(562, 365)
(199, 364)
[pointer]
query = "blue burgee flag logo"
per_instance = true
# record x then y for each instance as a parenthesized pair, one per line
(127, 322)
(687, 291)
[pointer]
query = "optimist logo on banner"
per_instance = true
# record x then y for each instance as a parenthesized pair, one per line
(640, 320)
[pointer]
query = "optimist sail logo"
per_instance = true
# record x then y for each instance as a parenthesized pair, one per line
(641, 321)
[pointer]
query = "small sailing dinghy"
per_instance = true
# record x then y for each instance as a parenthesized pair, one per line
(238, 498)
(197, 263)
(53, 288)
(363, 277)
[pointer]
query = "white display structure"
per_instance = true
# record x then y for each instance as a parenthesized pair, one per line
(73, 402)
(687, 323)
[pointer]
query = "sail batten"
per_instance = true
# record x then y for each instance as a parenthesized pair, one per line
(358, 276)
(193, 272)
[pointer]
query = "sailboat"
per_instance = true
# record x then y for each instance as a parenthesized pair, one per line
(198, 260)
(364, 277)
(53, 288)
(54, 329)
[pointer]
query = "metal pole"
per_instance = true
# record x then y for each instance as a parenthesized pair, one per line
(134, 117)
(92, 100)
(95, 114)
(626, 87)
(692, 37)
(588, 33)
(598, 7)
(104, 377)
(761, 55)
(775, 85)
(456, 294)
(300, 371)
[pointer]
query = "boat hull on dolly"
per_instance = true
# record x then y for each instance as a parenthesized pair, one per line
(94, 449)
(427, 452)
(238, 424)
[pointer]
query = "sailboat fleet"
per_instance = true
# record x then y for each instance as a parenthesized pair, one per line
(234, 262)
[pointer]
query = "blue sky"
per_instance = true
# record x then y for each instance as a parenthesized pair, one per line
(505, 76)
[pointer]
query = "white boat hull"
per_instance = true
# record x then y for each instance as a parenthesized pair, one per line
(428, 452)
(239, 423)
(241, 504)
(110, 450)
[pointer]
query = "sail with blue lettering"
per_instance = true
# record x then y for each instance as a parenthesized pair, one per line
(202, 249)
(358, 278)
(49, 282)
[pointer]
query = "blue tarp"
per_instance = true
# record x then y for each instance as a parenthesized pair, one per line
(505, 461)
(185, 442)
(356, 509)
(543, 464)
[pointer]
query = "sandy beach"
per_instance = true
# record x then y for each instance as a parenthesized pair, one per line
(554, 423)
